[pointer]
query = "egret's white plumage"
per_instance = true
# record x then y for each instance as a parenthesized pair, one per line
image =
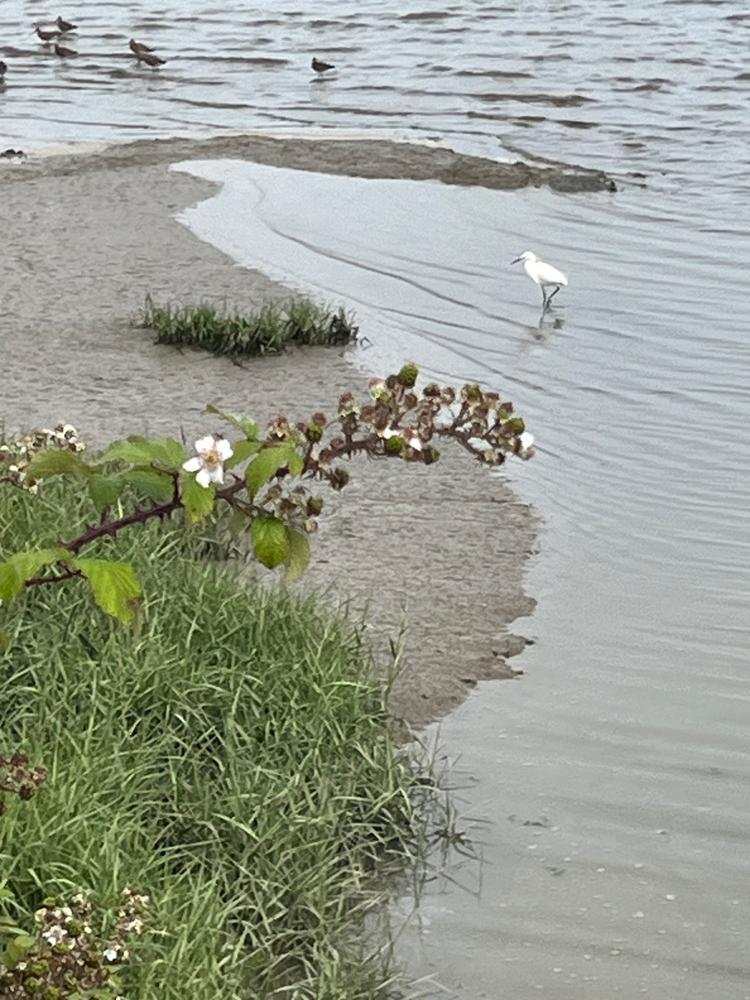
(544, 275)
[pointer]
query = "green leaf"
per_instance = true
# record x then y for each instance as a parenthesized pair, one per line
(268, 462)
(104, 490)
(241, 451)
(17, 949)
(144, 451)
(115, 586)
(14, 572)
(270, 541)
(4, 644)
(298, 554)
(248, 427)
(56, 462)
(197, 500)
(155, 485)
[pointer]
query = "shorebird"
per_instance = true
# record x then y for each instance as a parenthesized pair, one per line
(64, 25)
(150, 59)
(137, 47)
(44, 35)
(3, 70)
(64, 53)
(321, 67)
(544, 275)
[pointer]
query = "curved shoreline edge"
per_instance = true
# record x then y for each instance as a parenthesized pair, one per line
(442, 549)
(370, 158)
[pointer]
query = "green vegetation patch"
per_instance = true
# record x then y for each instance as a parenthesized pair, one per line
(229, 754)
(268, 330)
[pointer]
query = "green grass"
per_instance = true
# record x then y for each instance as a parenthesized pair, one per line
(265, 331)
(234, 760)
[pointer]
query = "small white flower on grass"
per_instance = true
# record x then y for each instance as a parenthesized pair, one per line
(111, 955)
(54, 934)
(208, 464)
(525, 445)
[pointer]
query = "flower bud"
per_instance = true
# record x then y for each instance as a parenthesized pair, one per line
(394, 445)
(313, 432)
(339, 478)
(471, 393)
(408, 375)
(314, 506)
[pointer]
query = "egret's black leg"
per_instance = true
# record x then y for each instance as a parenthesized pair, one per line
(553, 294)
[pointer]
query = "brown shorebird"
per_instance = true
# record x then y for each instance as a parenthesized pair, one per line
(64, 25)
(137, 47)
(60, 50)
(44, 35)
(150, 59)
(321, 67)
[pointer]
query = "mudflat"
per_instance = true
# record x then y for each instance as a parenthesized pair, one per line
(440, 550)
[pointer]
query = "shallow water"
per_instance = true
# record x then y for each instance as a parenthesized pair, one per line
(627, 737)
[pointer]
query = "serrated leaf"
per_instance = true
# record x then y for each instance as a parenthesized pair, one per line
(22, 566)
(152, 484)
(268, 462)
(298, 554)
(56, 462)
(115, 586)
(197, 500)
(104, 490)
(144, 451)
(248, 427)
(241, 451)
(270, 541)
(17, 949)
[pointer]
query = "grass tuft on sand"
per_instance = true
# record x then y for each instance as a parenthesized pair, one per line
(268, 330)
(233, 758)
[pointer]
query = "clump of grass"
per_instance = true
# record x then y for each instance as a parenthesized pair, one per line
(233, 759)
(268, 330)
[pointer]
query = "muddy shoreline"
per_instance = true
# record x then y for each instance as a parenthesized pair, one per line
(356, 157)
(441, 550)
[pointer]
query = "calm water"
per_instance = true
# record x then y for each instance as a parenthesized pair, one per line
(627, 738)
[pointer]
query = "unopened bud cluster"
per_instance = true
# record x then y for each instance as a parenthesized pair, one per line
(15, 455)
(400, 421)
(68, 954)
(18, 777)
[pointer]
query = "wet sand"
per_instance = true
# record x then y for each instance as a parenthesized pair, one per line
(441, 549)
(353, 157)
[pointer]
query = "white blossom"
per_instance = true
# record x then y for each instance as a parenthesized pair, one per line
(525, 445)
(208, 464)
(111, 954)
(54, 934)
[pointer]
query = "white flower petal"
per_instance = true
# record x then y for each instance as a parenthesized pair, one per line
(526, 440)
(203, 478)
(193, 464)
(224, 449)
(205, 444)
(216, 474)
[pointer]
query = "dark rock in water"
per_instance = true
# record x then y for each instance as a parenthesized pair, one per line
(12, 154)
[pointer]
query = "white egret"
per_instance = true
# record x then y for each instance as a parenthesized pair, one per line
(544, 275)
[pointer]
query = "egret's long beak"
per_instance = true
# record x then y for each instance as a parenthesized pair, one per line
(516, 260)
